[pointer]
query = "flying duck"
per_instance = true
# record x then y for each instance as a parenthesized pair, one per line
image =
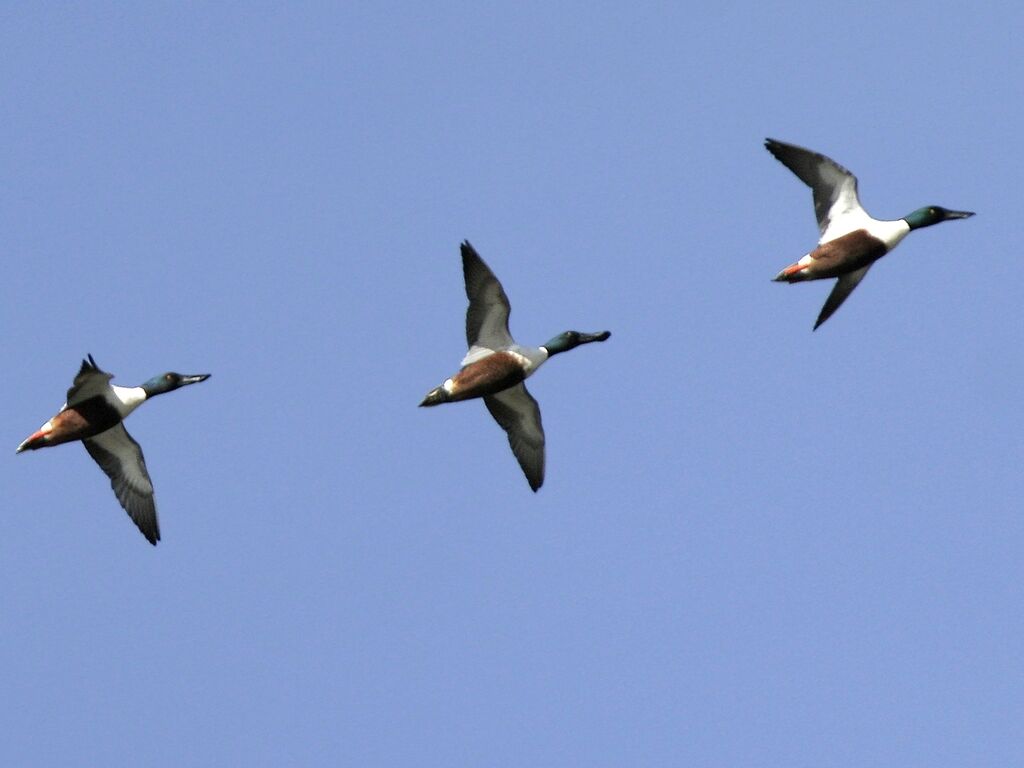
(851, 240)
(93, 413)
(495, 366)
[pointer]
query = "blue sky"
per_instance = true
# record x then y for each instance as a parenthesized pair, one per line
(756, 545)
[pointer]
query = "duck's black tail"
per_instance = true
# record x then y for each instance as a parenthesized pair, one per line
(436, 396)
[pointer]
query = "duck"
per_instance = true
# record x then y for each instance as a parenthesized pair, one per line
(495, 367)
(94, 414)
(851, 240)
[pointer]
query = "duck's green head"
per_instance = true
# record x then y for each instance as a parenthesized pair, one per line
(933, 214)
(563, 342)
(168, 382)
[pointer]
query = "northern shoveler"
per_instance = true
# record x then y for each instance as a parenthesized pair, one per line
(93, 413)
(495, 366)
(851, 240)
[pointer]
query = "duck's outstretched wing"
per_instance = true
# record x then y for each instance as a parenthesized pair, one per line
(487, 315)
(834, 187)
(844, 287)
(518, 414)
(121, 458)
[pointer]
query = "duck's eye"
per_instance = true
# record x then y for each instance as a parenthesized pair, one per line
(169, 377)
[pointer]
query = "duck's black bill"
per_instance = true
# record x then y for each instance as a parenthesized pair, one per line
(959, 214)
(587, 337)
(194, 379)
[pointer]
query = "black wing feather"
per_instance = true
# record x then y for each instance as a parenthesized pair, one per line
(120, 457)
(488, 311)
(518, 414)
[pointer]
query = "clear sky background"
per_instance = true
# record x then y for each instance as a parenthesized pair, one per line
(756, 545)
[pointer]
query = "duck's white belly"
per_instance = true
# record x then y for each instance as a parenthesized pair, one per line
(889, 232)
